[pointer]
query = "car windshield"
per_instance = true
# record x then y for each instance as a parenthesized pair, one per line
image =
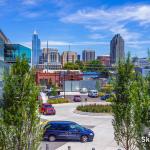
(48, 106)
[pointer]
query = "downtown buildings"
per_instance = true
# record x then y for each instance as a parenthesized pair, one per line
(117, 49)
(49, 59)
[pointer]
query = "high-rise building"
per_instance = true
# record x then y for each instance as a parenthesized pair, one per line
(36, 48)
(78, 57)
(88, 55)
(69, 56)
(116, 49)
(50, 55)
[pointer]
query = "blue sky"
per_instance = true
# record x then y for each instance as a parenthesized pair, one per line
(82, 24)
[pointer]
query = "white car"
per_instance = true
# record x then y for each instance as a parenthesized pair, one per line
(93, 93)
(83, 90)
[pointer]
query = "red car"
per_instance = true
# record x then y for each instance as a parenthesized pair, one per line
(47, 109)
(77, 98)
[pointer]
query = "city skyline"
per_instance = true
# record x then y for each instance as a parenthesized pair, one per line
(82, 25)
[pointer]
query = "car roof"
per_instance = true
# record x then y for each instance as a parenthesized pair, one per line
(61, 122)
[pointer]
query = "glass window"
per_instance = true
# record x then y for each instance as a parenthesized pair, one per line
(76, 127)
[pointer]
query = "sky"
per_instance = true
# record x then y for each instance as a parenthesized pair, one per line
(82, 24)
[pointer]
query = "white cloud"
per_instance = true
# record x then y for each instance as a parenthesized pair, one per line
(64, 43)
(96, 36)
(114, 20)
(131, 44)
(31, 14)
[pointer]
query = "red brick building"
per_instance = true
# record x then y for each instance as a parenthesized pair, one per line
(56, 77)
(105, 60)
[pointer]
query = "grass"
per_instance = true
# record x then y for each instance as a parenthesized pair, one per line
(95, 108)
(58, 101)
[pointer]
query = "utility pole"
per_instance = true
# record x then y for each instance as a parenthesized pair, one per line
(47, 56)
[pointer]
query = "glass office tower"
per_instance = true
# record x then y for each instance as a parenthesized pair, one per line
(12, 51)
(36, 48)
(3, 41)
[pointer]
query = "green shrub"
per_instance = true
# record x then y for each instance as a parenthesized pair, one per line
(109, 99)
(95, 108)
(58, 101)
(107, 89)
(101, 94)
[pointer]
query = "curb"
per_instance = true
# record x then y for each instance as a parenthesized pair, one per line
(91, 114)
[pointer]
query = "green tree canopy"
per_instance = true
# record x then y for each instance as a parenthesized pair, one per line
(19, 121)
(71, 66)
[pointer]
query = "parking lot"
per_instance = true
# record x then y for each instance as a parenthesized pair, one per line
(101, 125)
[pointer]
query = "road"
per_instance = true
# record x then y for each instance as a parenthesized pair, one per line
(101, 125)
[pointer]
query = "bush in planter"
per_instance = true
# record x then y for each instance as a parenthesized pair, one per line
(95, 108)
(109, 99)
(101, 94)
(58, 101)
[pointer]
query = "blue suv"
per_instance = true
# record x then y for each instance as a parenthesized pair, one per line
(67, 130)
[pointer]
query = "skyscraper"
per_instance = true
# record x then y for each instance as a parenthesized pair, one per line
(36, 48)
(88, 55)
(51, 55)
(69, 56)
(116, 49)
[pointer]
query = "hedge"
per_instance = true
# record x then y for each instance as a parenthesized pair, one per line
(58, 101)
(95, 108)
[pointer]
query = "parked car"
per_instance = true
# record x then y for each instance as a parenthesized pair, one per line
(93, 93)
(47, 109)
(83, 90)
(77, 98)
(105, 97)
(67, 130)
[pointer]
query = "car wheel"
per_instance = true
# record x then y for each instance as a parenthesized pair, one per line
(52, 138)
(84, 138)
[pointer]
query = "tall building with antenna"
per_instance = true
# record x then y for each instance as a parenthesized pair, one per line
(36, 48)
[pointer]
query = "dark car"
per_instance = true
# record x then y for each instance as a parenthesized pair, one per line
(67, 130)
(47, 109)
(105, 97)
(77, 98)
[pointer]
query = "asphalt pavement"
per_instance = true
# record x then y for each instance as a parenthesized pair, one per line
(101, 125)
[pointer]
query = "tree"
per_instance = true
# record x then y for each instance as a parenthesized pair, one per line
(80, 65)
(19, 121)
(54, 90)
(140, 110)
(71, 66)
(124, 130)
(97, 85)
(94, 65)
(149, 54)
(131, 106)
